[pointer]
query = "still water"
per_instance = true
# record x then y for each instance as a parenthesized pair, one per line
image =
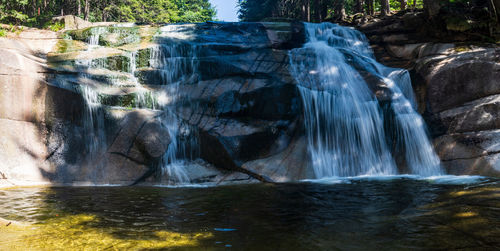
(386, 213)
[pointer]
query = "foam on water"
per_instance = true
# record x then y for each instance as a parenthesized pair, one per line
(442, 180)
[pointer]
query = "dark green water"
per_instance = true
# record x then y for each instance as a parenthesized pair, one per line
(355, 214)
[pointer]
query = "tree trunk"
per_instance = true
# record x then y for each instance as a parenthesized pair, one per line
(402, 4)
(339, 10)
(87, 10)
(308, 10)
(79, 7)
(34, 8)
(304, 11)
(371, 10)
(359, 6)
(323, 10)
(385, 7)
(316, 10)
(432, 7)
(496, 4)
(414, 4)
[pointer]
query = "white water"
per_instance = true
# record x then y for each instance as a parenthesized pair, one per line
(345, 123)
(442, 179)
(174, 59)
(93, 122)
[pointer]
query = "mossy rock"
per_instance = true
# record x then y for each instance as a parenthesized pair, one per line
(66, 45)
(461, 24)
(81, 35)
(75, 55)
(143, 58)
(108, 36)
(128, 101)
(117, 36)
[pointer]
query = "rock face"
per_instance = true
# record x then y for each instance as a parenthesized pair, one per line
(457, 85)
(244, 108)
(42, 128)
(463, 107)
(73, 22)
(122, 104)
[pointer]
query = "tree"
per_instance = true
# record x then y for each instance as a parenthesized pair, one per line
(496, 8)
(339, 10)
(359, 6)
(384, 7)
(38, 12)
(402, 4)
(432, 7)
(87, 10)
(79, 7)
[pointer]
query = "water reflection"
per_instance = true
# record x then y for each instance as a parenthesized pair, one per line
(398, 213)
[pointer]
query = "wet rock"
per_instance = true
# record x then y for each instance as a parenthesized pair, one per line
(468, 145)
(153, 139)
(459, 88)
(140, 137)
(478, 115)
(485, 165)
(461, 77)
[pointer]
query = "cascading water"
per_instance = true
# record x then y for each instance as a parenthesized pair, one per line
(174, 58)
(93, 121)
(348, 131)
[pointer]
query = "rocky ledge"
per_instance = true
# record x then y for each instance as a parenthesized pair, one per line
(456, 76)
(245, 112)
(244, 108)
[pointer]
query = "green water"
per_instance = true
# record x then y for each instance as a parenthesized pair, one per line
(348, 214)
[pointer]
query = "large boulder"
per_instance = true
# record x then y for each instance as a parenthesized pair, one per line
(72, 22)
(458, 88)
(457, 84)
(470, 153)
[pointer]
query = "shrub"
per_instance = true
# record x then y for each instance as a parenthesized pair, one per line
(57, 26)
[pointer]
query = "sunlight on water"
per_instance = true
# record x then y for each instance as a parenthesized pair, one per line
(78, 232)
(404, 212)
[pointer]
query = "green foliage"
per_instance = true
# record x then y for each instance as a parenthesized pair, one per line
(55, 26)
(38, 13)
(333, 10)
(3, 33)
(251, 10)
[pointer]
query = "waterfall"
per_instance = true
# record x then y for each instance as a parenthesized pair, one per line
(95, 34)
(358, 114)
(174, 59)
(141, 93)
(93, 120)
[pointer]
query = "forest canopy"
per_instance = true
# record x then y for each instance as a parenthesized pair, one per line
(337, 10)
(37, 12)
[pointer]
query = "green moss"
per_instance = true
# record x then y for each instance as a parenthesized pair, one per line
(143, 57)
(117, 36)
(462, 48)
(128, 101)
(65, 46)
(81, 35)
(111, 37)
(457, 24)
